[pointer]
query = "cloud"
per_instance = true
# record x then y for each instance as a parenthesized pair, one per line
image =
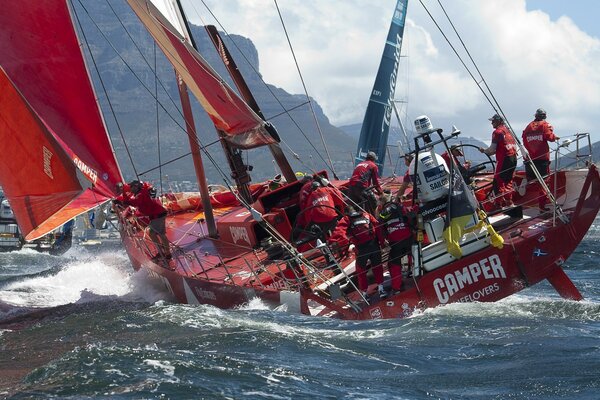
(528, 59)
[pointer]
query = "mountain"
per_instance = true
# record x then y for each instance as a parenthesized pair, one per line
(124, 57)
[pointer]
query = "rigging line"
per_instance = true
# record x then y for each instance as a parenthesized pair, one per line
(179, 158)
(494, 104)
(212, 160)
(306, 91)
(286, 111)
(112, 110)
(458, 55)
(469, 54)
(149, 67)
(157, 123)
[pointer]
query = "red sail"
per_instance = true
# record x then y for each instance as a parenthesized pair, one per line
(40, 53)
(49, 110)
(230, 114)
(38, 176)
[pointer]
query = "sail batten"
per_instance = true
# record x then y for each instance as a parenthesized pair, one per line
(242, 127)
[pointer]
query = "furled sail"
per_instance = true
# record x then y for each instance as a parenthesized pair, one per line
(230, 114)
(46, 88)
(376, 124)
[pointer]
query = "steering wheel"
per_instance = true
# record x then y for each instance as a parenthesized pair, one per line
(485, 168)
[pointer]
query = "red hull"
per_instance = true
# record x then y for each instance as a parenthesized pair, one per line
(232, 271)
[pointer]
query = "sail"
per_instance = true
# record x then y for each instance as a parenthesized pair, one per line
(241, 126)
(376, 124)
(46, 193)
(46, 77)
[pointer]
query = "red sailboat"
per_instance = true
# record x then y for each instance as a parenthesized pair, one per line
(232, 246)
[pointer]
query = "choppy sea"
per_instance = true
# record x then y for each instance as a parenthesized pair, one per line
(84, 325)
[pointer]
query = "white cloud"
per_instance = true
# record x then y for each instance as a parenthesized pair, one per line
(528, 60)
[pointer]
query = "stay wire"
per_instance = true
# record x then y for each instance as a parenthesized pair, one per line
(286, 110)
(205, 151)
(306, 92)
(496, 106)
(104, 89)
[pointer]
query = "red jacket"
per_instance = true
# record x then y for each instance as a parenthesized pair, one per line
(396, 229)
(536, 137)
(145, 204)
(505, 143)
(366, 174)
(321, 203)
(304, 193)
(362, 229)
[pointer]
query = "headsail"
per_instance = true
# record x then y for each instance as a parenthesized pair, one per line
(230, 114)
(376, 124)
(46, 78)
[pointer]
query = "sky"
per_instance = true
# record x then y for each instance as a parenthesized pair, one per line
(531, 53)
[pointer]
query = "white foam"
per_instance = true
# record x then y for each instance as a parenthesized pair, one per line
(83, 278)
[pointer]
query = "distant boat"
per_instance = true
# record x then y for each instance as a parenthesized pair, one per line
(232, 246)
(56, 242)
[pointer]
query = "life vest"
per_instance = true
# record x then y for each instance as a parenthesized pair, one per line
(361, 230)
(395, 223)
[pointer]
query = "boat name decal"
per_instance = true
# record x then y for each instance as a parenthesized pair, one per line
(388, 108)
(487, 268)
(477, 295)
(205, 294)
(86, 170)
(47, 162)
(239, 233)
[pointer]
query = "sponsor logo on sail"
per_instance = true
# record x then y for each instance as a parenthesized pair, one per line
(486, 269)
(388, 107)
(47, 162)
(91, 173)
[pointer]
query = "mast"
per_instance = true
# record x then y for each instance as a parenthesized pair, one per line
(193, 137)
(239, 170)
(376, 124)
(246, 94)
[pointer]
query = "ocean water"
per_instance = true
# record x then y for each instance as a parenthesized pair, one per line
(85, 326)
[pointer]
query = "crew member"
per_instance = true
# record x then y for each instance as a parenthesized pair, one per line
(406, 181)
(365, 175)
(535, 139)
(396, 229)
(363, 232)
(505, 148)
(322, 207)
(141, 198)
(305, 190)
(462, 167)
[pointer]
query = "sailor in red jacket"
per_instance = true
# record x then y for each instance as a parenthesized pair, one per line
(322, 207)
(141, 198)
(535, 139)
(396, 228)
(505, 148)
(363, 232)
(365, 174)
